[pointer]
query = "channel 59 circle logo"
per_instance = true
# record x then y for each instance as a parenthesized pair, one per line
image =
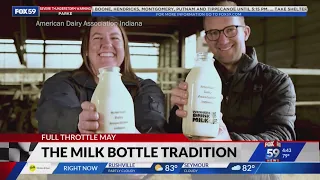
(272, 153)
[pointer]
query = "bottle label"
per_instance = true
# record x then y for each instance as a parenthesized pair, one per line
(117, 120)
(207, 104)
(205, 117)
(206, 94)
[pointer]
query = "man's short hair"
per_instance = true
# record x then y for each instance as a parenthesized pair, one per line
(226, 3)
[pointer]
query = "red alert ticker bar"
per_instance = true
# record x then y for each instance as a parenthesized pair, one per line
(106, 138)
(65, 10)
(93, 138)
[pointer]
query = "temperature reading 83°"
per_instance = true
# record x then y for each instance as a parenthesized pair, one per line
(170, 167)
(273, 153)
(248, 168)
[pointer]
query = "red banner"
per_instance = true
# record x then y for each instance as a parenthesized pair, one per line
(104, 138)
(93, 138)
(6, 169)
(47, 9)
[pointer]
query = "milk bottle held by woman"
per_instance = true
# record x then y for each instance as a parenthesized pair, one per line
(113, 103)
(204, 99)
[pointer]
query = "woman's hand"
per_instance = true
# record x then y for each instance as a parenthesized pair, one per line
(88, 118)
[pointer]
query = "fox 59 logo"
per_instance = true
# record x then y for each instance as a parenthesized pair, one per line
(272, 151)
(21, 11)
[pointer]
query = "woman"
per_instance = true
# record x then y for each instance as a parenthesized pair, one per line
(64, 105)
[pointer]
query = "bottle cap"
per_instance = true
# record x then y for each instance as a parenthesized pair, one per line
(203, 56)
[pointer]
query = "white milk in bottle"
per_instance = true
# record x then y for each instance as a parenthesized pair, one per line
(114, 103)
(204, 99)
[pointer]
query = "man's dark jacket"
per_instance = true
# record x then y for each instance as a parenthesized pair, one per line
(61, 97)
(258, 104)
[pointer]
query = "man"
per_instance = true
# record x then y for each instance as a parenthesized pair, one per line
(258, 100)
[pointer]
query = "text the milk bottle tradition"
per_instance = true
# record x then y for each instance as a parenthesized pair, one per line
(204, 99)
(113, 103)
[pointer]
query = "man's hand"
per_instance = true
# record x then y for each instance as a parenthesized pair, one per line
(88, 118)
(179, 97)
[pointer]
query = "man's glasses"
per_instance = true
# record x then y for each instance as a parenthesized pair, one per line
(229, 32)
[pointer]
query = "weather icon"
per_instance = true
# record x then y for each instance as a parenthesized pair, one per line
(236, 168)
(158, 167)
(32, 168)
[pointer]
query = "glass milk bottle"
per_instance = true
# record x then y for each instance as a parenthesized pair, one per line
(204, 99)
(113, 103)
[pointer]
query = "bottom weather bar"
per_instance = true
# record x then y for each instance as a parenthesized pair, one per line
(166, 168)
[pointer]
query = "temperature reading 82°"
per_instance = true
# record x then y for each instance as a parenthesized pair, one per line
(248, 168)
(170, 167)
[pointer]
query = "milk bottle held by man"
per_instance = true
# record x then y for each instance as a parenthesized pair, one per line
(204, 99)
(113, 103)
